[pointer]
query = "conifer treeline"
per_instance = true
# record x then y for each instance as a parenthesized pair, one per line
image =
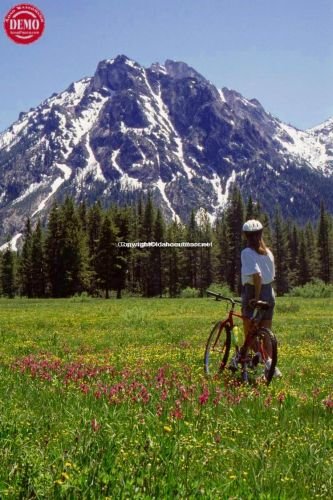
(78, 251)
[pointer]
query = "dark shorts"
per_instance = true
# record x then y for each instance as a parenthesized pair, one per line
(267, 294)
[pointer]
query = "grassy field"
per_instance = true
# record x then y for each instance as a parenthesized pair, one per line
(107, 399)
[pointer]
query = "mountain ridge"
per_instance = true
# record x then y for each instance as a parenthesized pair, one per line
(165, 128)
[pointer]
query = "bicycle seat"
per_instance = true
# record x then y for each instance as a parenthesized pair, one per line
(261, 304)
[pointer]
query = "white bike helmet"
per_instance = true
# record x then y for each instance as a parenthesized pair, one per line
(252, 225)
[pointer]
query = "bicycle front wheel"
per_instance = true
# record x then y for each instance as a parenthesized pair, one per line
(217, 349)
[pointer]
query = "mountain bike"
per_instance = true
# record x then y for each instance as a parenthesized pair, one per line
(257, 357)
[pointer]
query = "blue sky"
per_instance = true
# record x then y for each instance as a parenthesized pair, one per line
(278, 51)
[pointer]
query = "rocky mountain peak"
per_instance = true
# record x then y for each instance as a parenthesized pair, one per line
(119, 74)
(178, 70)
(166, 129)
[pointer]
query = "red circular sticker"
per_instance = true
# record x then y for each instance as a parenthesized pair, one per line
(24, 23)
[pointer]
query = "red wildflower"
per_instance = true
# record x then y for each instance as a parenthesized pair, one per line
(328, 402)
(203, 398)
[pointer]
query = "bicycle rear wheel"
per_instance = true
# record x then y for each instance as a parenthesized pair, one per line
(265, 344)
(217, 349)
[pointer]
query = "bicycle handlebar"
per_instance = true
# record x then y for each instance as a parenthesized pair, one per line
(218, 296)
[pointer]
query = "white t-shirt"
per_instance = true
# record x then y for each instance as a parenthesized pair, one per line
(254, 263)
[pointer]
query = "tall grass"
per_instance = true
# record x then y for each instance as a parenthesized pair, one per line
(107, 399)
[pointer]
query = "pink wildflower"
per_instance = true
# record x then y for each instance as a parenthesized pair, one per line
(164, 394)
(328, 402)
(203, 398)
(84, 388)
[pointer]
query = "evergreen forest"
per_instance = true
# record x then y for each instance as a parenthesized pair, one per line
(77, 251)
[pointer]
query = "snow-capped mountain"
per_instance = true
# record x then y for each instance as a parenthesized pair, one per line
(166, 129)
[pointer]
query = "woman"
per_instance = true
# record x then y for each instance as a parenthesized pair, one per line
(258, 272)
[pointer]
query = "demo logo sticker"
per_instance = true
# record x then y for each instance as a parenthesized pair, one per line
(24, 23)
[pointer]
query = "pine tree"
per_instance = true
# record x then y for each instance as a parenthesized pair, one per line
(38, 263)
(70, 249)
(303, 262)
(135, 267)
(25, 262)
(190, 274)
(105, 256)
(7, 274)
(324, 246)
(257, 212)
(122, 254)
(311, 251)
(205, 270)
(293, 253)
(94, 227)
(267, 233)
(221, 232)
(148, 220)
(234, 222)
(157, 255)
(53, 263)
(280, 250)
(250, 209)
(147, 234)
(83, 216)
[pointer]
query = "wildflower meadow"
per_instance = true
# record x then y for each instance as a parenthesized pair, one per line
(108, 399)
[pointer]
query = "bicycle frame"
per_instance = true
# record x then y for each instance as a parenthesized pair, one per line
(230, 322)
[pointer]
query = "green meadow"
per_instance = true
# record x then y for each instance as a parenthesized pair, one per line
(108, 399)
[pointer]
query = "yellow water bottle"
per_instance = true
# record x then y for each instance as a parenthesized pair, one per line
(235, 336)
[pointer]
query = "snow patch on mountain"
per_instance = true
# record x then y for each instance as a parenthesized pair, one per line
(70, 97)
(54, 187)
(223, 99)
(10, 136)
(305, 146)
(127, 183)
(161, 187)
(84, 122)
(231, 180)
(114, 161)
(92, 167)
(12, 244)
(163, 113)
